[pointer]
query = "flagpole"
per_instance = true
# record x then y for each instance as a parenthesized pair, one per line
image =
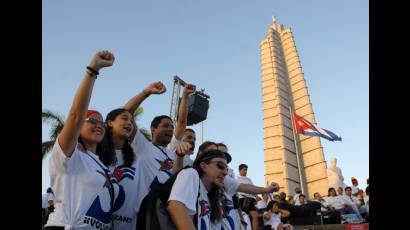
(302, 184)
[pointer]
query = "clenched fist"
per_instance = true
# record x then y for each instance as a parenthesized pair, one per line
(189, 89)
(102, 59)
(155, 88)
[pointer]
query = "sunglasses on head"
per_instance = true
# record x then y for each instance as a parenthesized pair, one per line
(221, 165)
(94, 121)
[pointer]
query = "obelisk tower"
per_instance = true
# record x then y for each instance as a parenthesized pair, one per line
(284, 89)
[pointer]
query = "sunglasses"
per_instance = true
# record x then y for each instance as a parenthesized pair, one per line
(221, 165)
(95, 121)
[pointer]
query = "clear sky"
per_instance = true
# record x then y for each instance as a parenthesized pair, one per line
(214, 44)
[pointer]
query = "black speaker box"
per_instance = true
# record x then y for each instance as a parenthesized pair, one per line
(197, 108)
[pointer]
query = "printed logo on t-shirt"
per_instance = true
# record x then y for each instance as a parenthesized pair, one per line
(204, 213)
(96, 216)
(122, 172)
(165, 164)
(205, 209)
(164, 172)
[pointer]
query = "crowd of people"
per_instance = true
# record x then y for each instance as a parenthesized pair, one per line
(103, 170)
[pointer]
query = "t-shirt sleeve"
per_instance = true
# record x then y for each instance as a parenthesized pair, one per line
(185, 189)
(174, 143)
(59, 163)
(231, 185)
(139, 143)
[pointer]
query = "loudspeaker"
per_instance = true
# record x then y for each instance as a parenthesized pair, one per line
(198, 105)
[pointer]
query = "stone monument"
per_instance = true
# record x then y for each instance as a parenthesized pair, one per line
(334, 175)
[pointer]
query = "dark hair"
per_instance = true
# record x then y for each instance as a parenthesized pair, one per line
(302, 195)
(188, 129)
(331, 189)
(105, 149)
(348, 187)
(270, 205)
(221, 144)
(214, 195)
(241, 166)
(155, 122)
(204, 146)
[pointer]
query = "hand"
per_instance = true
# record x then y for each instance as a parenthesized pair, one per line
(189, 89)
(102, 59)
(273, 187)
(155, 88)
(184, 148)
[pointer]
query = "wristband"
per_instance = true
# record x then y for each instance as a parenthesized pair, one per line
(180, 155)
(91, 74)
(95, 72)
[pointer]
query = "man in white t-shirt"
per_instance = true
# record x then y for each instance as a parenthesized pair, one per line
(263, 202)
(298, 191)
(189, 137)
(155, 161)
(352, 202)
(243, 197)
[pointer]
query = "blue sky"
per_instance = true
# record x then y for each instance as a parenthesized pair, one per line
(214, 44)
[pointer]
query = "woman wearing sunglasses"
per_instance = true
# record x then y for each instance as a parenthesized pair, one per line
(83, 187)
(206, 178)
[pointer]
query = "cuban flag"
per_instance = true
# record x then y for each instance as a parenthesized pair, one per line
(306, 128)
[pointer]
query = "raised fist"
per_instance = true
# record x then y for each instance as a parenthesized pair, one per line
(273, 187)
(189, 89)
(184, 148)
(102, 59)
(156, 88)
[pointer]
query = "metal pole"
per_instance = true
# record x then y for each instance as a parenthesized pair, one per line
(202, 132)
(302, 184)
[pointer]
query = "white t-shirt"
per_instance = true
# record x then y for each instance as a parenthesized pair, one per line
(231, 173)
(187, 161)
(83, 189)
(245, 180)
(351, 200)
(149, 169)
(247, 220)
(231, 219)
(355, 189)
(274, 220)
(296, 199)
(185, 190)
(335, 201)
(45, 201)
(262, 204)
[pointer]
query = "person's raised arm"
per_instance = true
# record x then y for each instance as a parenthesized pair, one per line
(153, 88)
(179, 215)
(252, 189)
(182, 112)
(78, 112)
(180, 152)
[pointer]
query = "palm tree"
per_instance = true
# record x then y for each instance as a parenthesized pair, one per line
(57, 123)
(145, 132)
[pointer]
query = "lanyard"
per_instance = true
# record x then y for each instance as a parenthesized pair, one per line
(162, 151)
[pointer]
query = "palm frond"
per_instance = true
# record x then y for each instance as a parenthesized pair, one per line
(53, 117)
(55, 130)
(146, 134)
(46, 147)
(137, 113)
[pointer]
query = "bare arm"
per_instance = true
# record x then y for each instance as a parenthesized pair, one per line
(182, 112)
(153, 88)
(252, 189)
(181, 150)
(78, 112)
(179, 215)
